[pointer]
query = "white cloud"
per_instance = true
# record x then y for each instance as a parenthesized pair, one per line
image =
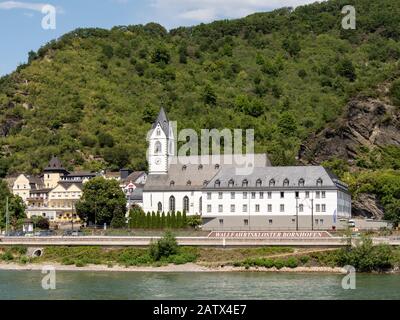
(208, 10)
(9, 5)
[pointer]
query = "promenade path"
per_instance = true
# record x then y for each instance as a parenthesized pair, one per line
(183, 241)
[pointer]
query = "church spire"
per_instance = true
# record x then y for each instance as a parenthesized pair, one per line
(162, 120)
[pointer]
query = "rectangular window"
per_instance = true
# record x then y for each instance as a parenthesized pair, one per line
(244, 195)
(270, 221)
(232, 195)
(246, 222)
(233, 209)
(301, 208)
(321, 221)
(317, 194)
(282, 195)
(253, 195)
(220, 208)
(221, 222)
(307, 194)
(323, 194)
(269, 195)
(257, 208)
(297, 194)
(282, 208)
(261, 195)
(245, 208)
(316, 221)
(209, 208)
(323, 208)
(270, 208)
(208, 195)
(318, 208)
(293, 220)
(220, 195)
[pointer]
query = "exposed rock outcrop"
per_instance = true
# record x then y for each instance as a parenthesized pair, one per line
(366, 123)
(369, 123)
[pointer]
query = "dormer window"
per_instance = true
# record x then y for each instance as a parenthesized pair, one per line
(158, 132)
(272, 183)
(301, 182)
(319, 182)
(245, 183)
(258, 183)
(217, 183)
(172, 184)
(189, 183)
(286, 182)
(200, 167)
(184, 168)
(205, 183)
(217, 166)
(231, 183)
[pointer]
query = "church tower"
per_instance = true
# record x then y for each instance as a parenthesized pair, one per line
(162, 145)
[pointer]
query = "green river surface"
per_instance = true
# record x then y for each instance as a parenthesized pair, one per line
(77, 285)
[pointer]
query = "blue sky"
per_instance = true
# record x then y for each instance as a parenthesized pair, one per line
(21, 21)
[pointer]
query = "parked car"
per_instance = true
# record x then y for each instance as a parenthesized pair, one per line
(16, 234)
(46, 233)
(73, 233)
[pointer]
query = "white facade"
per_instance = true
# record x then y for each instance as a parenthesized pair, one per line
(267, 197)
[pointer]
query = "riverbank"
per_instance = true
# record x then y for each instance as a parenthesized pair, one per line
(189, 267)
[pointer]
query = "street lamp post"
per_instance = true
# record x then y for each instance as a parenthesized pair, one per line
(297, 214)
(7, 217)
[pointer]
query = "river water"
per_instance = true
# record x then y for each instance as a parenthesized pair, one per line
(130, 285)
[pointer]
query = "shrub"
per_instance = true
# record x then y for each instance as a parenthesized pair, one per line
(304, 259)
(279, 264)
(164, 247)
(194, 221)
(292, 263)
(7, 256)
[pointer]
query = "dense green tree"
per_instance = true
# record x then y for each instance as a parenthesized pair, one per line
(100, 200)
(16, 206)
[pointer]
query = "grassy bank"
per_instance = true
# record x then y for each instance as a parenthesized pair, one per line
(364, 257)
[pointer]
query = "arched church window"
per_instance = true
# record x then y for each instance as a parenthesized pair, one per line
(158, 132)
(172, 204)
(157, 147)
(186, 204)
(159, 207)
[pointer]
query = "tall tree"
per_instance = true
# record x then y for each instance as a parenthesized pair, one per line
(101, 199)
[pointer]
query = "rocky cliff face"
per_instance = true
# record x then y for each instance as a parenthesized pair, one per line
(365, 123)
(369, 123)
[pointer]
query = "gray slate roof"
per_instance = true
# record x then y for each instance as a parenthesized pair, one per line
(162, 119)
(193, 172)
(310, 174)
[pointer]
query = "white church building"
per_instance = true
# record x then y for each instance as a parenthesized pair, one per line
(265, 198)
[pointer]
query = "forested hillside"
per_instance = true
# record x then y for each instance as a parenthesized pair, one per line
(92, 95)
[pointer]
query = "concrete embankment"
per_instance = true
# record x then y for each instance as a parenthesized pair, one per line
(183, 241)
